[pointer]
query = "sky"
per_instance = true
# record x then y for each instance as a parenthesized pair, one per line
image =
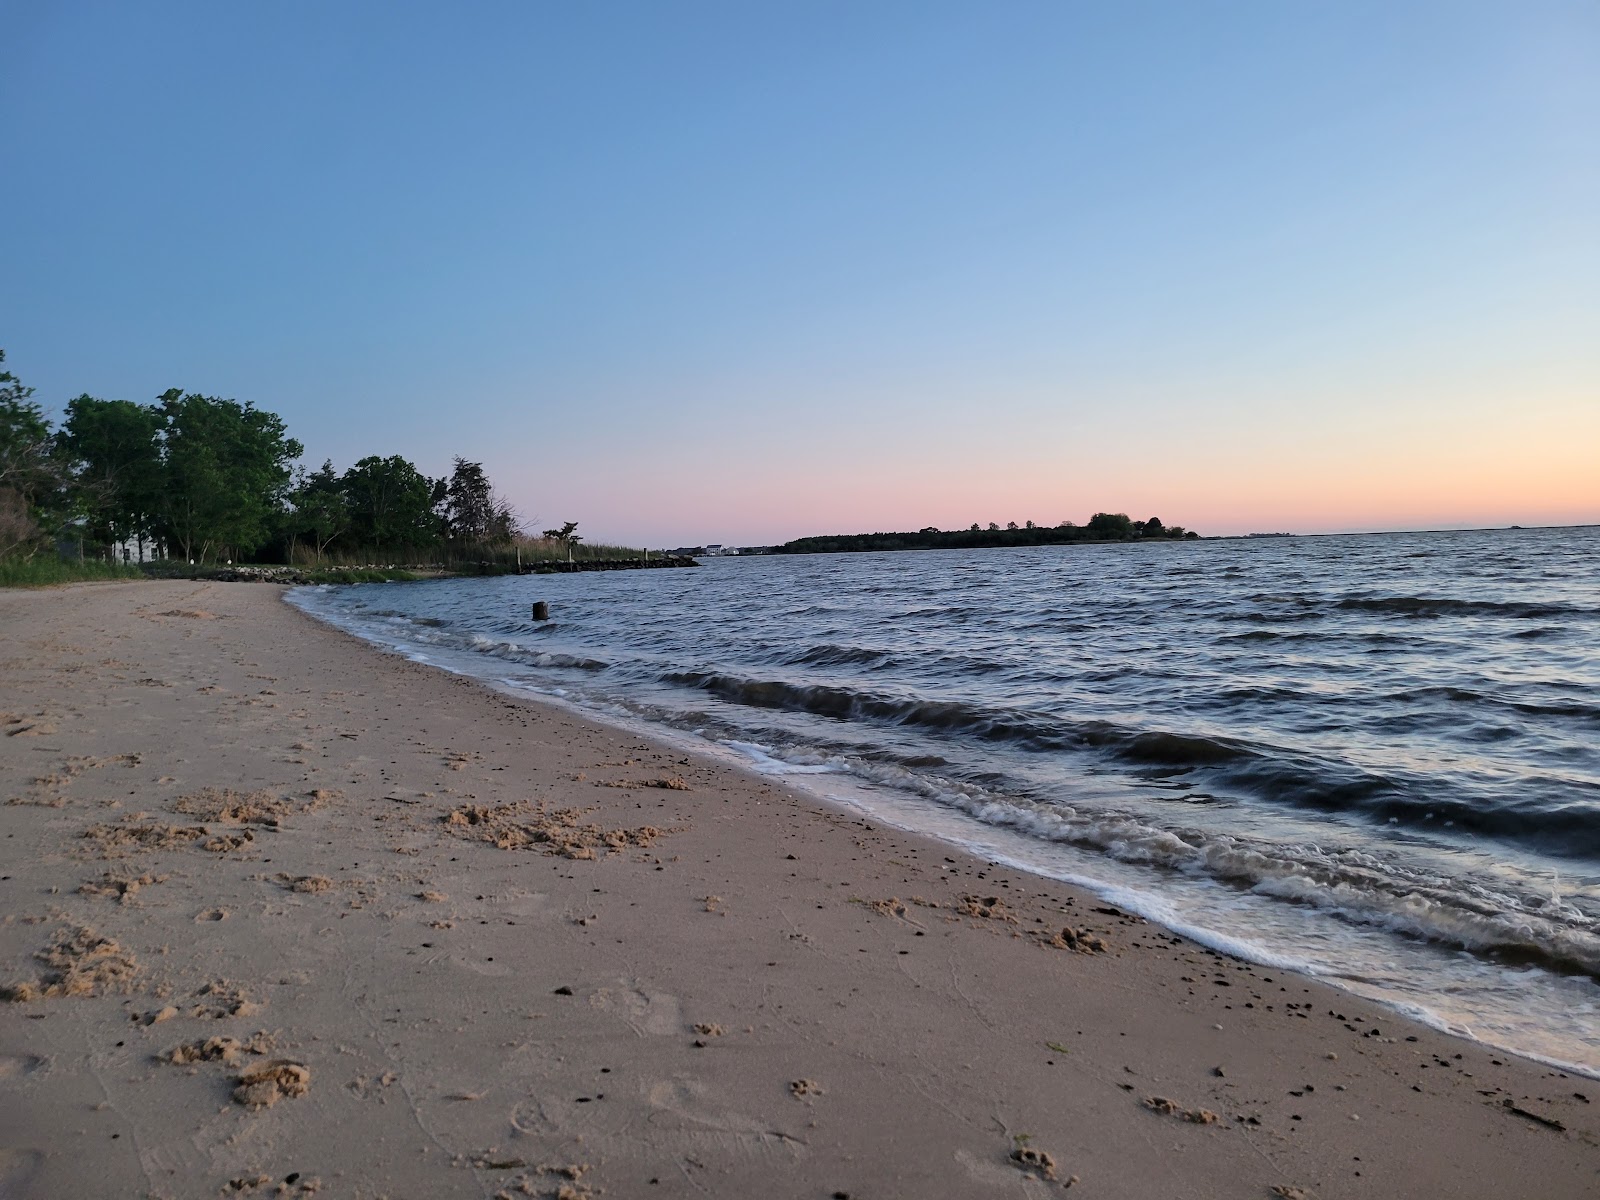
(727, 272)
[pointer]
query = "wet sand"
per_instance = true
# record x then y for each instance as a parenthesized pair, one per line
(287, 916)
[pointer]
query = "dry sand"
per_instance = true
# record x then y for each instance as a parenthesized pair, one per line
(284, 915)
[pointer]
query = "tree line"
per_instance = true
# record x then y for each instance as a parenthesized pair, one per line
(211, 479)
(1102, 527)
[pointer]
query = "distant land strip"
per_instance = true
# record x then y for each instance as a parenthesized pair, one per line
(1102, 527)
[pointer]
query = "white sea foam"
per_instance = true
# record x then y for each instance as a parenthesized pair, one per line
(764, 762)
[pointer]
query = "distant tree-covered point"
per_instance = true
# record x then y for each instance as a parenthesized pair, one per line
(1102, 527)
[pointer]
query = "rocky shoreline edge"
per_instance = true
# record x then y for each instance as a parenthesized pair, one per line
(373, 573)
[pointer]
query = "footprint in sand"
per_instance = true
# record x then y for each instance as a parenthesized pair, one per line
(518, 903)
(17, 1066)
(31, 729)
(539, 1118)
(997, 1176)
(564, 1116)
(685, 1113)
(649, 1013)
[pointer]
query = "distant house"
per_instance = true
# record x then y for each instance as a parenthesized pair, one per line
(713, 550)
(72, 545)
(137, 550)
(718, 550)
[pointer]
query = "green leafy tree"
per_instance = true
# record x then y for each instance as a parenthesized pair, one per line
(33, 479)
(391, 504)
(439, 506)
(567, 536)
(24, 429)
(320, 511)
(469, 503)
(1111, 525)
(115, 446)
(227, 472)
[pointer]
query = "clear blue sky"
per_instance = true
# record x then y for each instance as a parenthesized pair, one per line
(739, 272)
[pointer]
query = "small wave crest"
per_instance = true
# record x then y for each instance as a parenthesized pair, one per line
(1555, 706)
(516, 652)
(1432, 606)
(1025, 730)
(829, 655)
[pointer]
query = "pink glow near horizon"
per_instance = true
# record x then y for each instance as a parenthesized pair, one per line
(738, 497)
(785, 512)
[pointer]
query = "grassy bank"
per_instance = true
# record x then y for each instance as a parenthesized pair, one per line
(378, 565)
(48, 571)
(457, 559)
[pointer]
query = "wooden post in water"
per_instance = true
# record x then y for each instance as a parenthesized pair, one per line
(541, 611)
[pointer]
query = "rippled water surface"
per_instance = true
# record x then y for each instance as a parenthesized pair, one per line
(1373, 758)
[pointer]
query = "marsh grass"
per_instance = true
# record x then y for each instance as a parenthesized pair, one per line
(49, 571)
(469, 559)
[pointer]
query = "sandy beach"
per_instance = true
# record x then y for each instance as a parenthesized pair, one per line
(287, 916)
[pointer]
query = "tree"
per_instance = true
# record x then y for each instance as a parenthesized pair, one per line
(1111, 525)
(17, 526)
(116, 448)
(504, 524)
(320, 510)
(24, 430)
(469, 502)
(391, 503)
(567, 535)
(33, 480)
(1154, 528)
(227, 472)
